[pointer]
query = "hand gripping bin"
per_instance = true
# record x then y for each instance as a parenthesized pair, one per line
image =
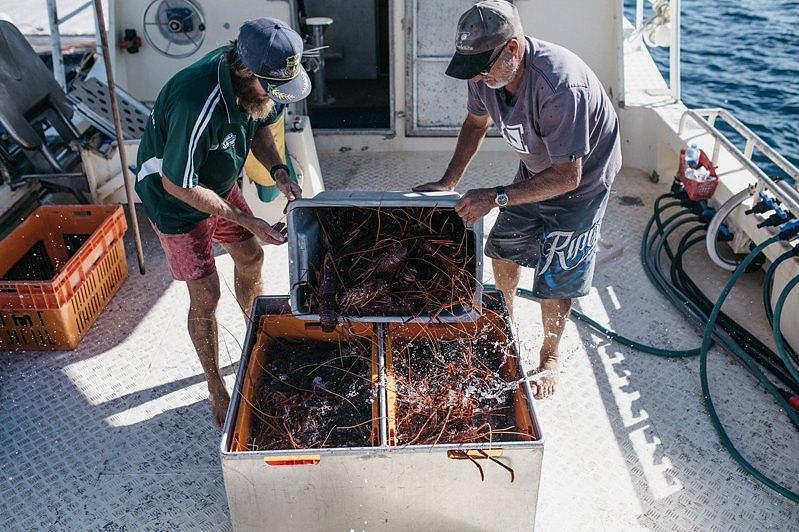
(386, 485)
(307, 241)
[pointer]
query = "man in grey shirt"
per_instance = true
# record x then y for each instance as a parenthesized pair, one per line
(553, 111)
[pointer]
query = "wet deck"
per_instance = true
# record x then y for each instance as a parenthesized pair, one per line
(117, 434)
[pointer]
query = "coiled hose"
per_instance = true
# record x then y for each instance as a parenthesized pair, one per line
(708, 400)
(715, 224)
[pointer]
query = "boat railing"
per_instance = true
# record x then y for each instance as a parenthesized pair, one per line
(706, 119)
(55, 36)
(673, 19)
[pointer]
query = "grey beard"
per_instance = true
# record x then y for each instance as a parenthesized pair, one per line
(513, 66)
(498, 85)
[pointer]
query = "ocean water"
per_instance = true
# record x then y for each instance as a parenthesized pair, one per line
(742, 55)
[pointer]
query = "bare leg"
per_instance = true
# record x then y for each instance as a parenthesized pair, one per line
(553, 316)
(248, 257)
(506, 275)
(203, 298)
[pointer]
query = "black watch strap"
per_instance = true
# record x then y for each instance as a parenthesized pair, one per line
(277, 167)
(501, 191)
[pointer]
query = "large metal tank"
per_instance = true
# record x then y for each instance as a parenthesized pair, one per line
(476, 486)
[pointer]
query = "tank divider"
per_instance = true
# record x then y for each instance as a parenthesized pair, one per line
(380, 330)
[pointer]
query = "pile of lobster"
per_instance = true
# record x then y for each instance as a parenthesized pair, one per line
(313, 394)
(408, 261)
(451, 392)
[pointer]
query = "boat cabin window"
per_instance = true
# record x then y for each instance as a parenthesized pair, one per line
(355, 93)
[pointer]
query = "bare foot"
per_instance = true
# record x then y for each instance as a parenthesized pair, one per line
(219, 399)
(545, 386)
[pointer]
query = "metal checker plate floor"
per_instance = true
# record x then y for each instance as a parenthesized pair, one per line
(117, 434)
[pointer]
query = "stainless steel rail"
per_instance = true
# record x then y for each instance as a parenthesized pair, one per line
(675, 83)
(674, 47)
(380, 329)
(55, 36)
(706, 118)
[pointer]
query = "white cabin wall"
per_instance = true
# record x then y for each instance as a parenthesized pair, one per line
(598, 43)
(435, 105)
(590, 29)
(144, 73)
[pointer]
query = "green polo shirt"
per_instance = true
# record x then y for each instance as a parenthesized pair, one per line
(196, 135)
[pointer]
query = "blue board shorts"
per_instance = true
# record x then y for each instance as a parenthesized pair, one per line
(558, 240)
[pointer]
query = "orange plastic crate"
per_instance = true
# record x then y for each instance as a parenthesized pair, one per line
(56, 313)
(287, 326)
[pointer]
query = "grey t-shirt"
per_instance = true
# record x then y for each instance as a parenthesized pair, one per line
(561, 112)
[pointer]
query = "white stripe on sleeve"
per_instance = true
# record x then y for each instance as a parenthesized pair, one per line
(199, 127)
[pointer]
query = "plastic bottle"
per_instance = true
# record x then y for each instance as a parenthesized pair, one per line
(692, 156)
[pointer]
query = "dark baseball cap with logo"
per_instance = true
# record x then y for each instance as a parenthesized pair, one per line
(272, 50)
(484, 27)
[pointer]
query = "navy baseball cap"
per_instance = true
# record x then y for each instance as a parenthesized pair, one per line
(272, 50)
(481, 29)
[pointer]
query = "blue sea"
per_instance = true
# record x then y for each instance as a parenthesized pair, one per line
(742, 55)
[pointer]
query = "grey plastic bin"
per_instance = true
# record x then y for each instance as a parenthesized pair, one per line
(304, 246)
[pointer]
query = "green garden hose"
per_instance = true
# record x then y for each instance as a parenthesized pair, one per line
(711, 409)
(782, 349)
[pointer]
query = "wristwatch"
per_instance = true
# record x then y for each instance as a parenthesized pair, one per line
(277, 167)
(502, 197)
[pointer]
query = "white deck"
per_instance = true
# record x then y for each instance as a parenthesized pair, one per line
(117, 434)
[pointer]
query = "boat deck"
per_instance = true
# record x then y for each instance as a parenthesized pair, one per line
(117, 434)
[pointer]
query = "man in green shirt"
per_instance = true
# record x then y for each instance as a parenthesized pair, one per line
(205, 121)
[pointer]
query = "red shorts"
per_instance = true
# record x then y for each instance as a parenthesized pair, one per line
(190, 255)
